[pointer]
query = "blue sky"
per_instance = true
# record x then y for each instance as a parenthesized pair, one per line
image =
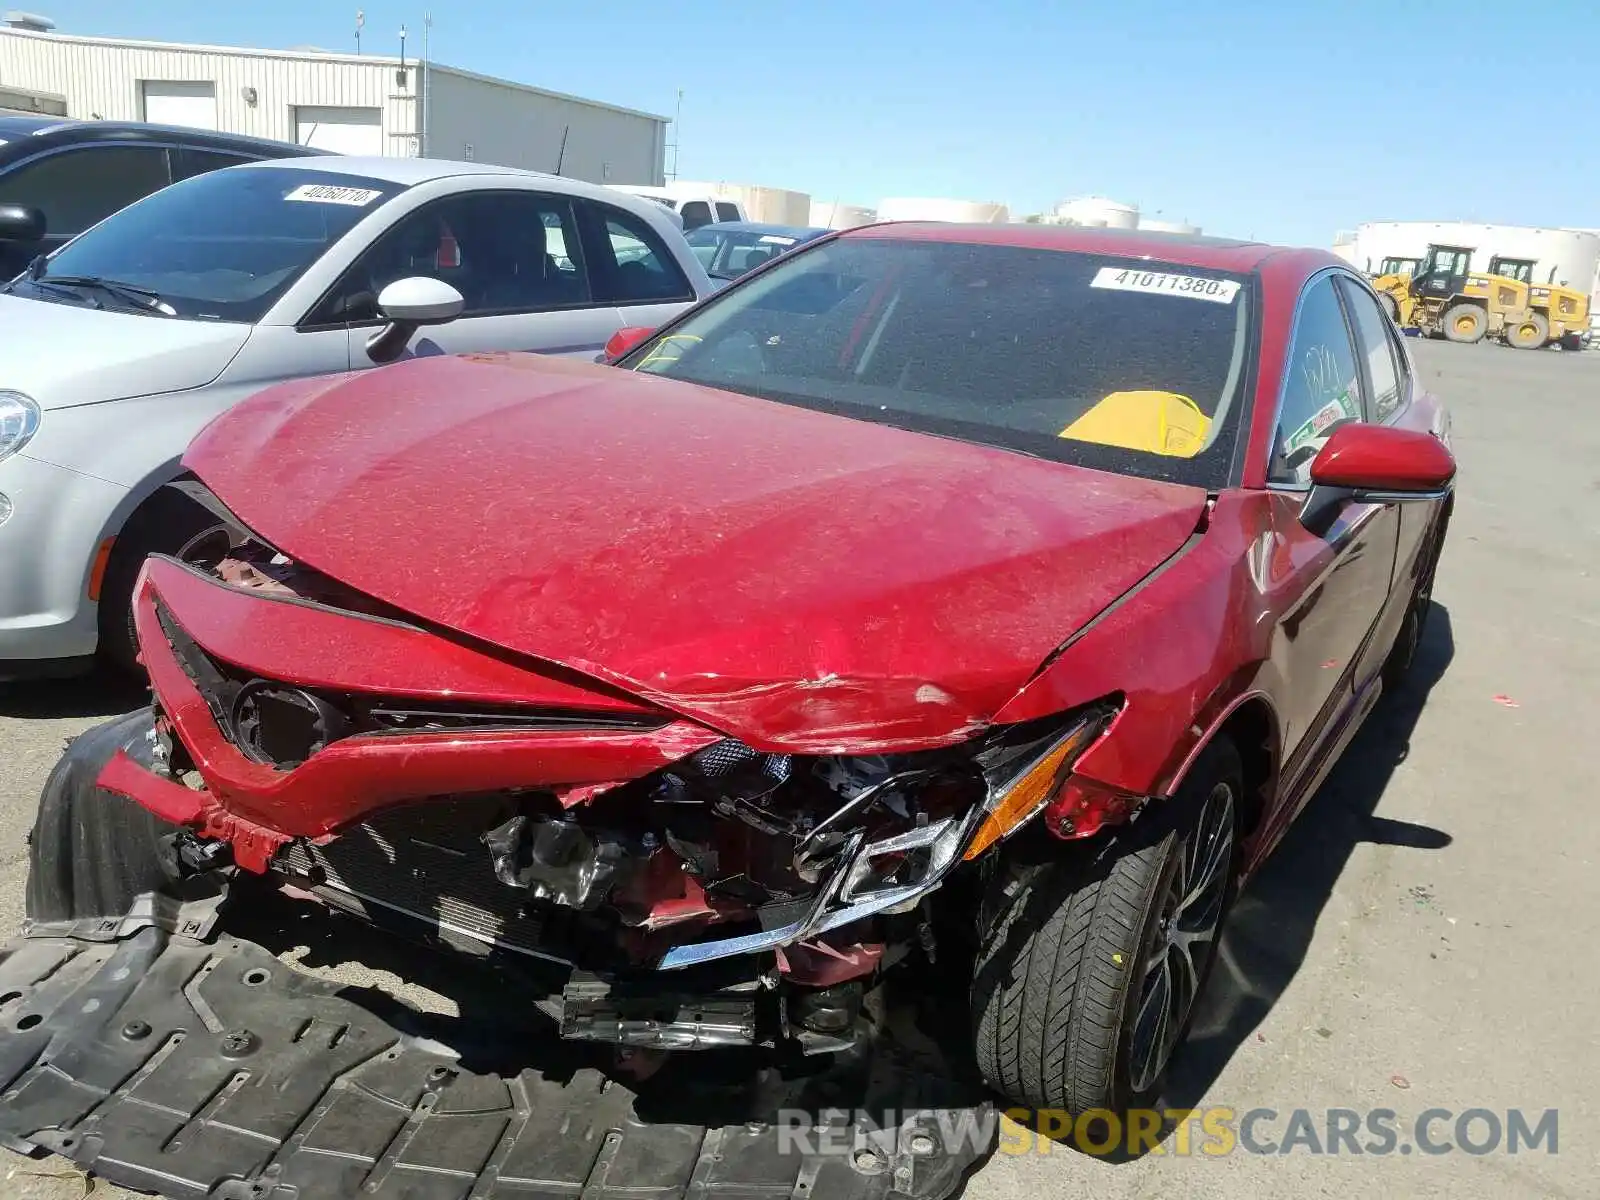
(1282, 120)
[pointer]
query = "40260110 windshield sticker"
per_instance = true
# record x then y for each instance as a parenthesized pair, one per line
(328, 193)
(1195, 287)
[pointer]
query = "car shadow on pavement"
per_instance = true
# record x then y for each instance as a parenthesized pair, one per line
(103, 693)
(1270, 928)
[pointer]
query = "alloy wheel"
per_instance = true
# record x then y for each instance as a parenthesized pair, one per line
(1185, 939)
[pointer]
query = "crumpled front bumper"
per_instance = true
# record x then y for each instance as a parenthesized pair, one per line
(215, 1070)
(141, 1044)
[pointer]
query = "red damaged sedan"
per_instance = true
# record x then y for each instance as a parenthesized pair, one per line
(934, 587)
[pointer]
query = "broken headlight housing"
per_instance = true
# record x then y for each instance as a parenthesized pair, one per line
(903, 824)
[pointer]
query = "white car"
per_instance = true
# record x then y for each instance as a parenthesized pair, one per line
(130, 338)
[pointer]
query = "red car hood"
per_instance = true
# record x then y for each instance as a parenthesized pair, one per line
(799, 580)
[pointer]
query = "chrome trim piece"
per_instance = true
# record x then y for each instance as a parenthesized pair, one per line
(700, 952)
(1365, 496)
(947, 839)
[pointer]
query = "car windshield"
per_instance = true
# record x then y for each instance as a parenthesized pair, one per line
(730, 253)
(225, 245)
(1124, 364)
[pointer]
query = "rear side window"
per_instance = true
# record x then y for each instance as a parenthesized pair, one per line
(187, 161)
(726, 211)
(1322, 390)
(628, 262)
(1384, 371)
(696, 213)
(79, 188)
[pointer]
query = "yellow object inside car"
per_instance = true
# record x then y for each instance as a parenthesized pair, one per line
(1155, 422)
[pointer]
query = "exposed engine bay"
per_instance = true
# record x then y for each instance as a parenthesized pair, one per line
(637, 891)
(731, 897)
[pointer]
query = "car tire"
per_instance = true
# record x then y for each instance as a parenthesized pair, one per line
(167, 523)
(1528, 334)
(1404, 651)
(92, 852)
(1075, 964)
(1465, 323)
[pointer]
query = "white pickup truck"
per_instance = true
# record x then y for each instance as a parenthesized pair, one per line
(693, 209)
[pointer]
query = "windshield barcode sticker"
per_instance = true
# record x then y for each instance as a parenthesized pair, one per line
(327, 193)
(1218, 291)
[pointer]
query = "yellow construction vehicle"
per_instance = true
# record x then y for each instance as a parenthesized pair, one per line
(1558, 313)
(1393, 281)
(1444, 297)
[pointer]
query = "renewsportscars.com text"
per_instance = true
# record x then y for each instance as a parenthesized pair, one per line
(1203, 1132)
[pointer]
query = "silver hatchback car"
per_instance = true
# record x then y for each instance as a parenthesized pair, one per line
(124, 343)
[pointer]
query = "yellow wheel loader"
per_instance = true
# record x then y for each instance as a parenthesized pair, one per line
(1558, 313)
(1392, 281)
(1445, 298)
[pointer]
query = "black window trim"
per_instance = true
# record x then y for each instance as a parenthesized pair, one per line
(122, 143)
(1330, 273)
(1396, 355)
(244, 158)
(304, 325)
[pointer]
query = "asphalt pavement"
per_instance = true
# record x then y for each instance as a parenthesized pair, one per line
(1424, 940)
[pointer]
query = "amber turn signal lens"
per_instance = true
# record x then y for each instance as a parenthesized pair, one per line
(1033, 791)
(97, 569)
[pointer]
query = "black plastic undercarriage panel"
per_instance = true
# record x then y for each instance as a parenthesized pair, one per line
(199, 1069)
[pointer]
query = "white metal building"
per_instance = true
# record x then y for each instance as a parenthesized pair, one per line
(1563, 256)
(355, 104)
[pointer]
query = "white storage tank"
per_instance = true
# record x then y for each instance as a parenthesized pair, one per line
(1183, 227)
(931, 208)
(1098, 212)
(826, 214)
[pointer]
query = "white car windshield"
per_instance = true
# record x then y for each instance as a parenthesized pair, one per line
(222, 246)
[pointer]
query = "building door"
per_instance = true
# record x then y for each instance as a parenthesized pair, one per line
(342, 130)
(180, 102)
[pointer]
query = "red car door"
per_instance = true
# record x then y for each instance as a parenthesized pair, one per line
(1339, 584)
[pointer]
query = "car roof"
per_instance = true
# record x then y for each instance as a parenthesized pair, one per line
(22, 124)
(409, 172)
(794, 231)
(46, 131)
(1192, 250)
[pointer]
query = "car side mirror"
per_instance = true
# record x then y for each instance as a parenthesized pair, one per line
(408, 304)
(1375, 464)
(624, 340)
(21, 223)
